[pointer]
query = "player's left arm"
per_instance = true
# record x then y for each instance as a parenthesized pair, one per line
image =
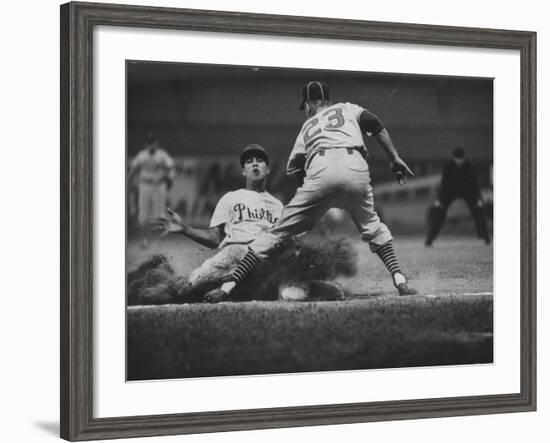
(372, 125)
(172, 223)
(211, 237)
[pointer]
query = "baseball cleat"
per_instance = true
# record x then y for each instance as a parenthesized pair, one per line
(405, 289)
(215, 296)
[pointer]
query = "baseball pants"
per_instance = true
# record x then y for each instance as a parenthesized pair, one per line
(151, 201)
(212, 270)
(334, 178)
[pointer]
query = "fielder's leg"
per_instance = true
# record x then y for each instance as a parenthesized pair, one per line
(158, 201)
(144, 215)
(378, 236)
(388, 256)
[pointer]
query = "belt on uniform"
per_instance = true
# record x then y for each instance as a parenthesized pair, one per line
(321, 153)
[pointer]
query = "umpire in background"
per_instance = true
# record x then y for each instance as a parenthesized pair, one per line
(458, 180)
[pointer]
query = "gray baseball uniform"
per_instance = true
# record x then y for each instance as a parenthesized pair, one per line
(155, 168)
(244, 215)
(331, 150)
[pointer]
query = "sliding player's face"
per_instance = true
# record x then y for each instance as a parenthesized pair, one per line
(255, 168)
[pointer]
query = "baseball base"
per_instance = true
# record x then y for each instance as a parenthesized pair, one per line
(293, 293)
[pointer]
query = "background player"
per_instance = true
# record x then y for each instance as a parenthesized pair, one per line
(458, 180)
(330, 155)
(239, 217)
(156, 174)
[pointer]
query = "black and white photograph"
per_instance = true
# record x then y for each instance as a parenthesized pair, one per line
(284, 220)
(242, 222)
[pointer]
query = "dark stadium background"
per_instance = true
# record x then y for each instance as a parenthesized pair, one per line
(204, 115)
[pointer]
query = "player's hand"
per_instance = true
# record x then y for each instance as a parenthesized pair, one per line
(401, 169)
(166, 225)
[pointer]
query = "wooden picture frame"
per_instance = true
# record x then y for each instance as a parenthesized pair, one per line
(77, 23)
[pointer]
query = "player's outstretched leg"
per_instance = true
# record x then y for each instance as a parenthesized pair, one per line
(245, 267)
(386, 252)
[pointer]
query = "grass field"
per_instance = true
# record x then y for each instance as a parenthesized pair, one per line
(449, 322)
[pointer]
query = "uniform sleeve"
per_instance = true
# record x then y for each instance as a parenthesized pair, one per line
(355, 110)
(222, 212)
(136, 162)
(297, 159)
(370, 123)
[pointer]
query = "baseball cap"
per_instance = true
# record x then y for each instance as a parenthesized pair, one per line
(459, 152)
(254, 149)
(314, 90)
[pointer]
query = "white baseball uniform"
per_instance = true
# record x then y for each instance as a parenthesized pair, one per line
(331, 150)
(245, 214)
(154, 169)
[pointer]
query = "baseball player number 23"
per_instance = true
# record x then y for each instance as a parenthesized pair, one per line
(335, 120)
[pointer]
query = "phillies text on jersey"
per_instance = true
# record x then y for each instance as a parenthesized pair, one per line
(245, 213)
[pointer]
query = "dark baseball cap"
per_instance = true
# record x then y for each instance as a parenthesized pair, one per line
(459, 152)
(314, 90)
(254, 150)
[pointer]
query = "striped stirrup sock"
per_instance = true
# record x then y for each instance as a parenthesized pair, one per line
(387, 255)
(245, 267)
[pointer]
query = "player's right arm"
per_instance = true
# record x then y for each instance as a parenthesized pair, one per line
(210, 237)
(371, 125)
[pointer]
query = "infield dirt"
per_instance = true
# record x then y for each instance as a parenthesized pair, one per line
(372, 328)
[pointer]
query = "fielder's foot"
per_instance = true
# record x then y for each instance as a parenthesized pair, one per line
(215, 296)
(405, 289)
